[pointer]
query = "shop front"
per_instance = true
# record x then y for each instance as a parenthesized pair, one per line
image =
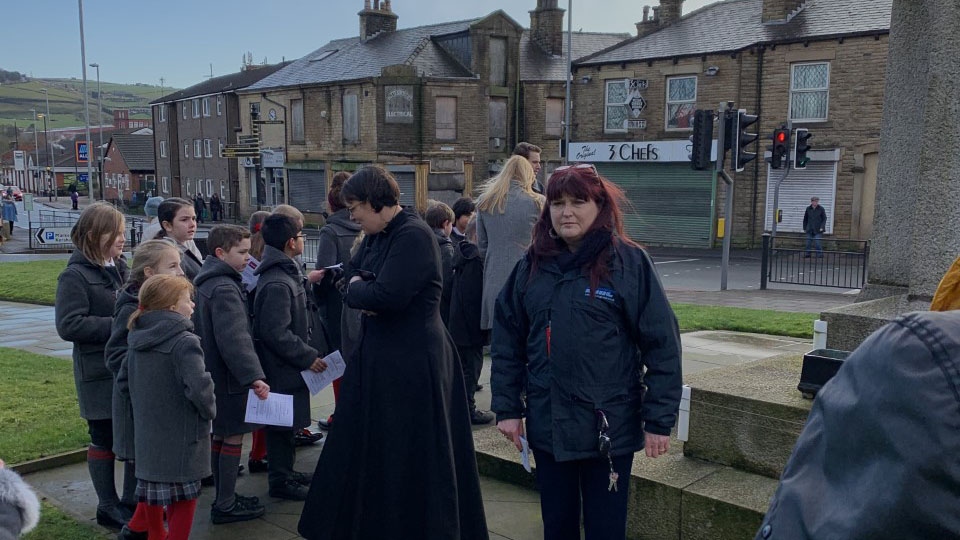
(670, 204)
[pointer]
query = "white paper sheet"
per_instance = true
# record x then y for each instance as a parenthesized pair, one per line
(317, 381)
(276, 410)
(525, 454)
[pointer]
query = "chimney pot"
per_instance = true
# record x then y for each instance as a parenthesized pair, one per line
(386, 5)
(646, 13)
(366, 4)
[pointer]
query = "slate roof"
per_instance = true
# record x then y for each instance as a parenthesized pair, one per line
(222, 84)
(137, 151)
(537, 65)
(351, 58)
(707, 30)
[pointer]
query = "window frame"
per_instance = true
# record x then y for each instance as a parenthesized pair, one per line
(206, 106)
(162, 113)
(197, 148)
(352, 95)
(437, 126)
(219, 105)
(184, 109)
(186, 148)
(297, 121)
(207, 148)
(499, 71)
(220, 145)
(667, 102)
(165, 184)
(606, 104)
(196, 107)
(550, 130)
(825, 90)
(163, 149)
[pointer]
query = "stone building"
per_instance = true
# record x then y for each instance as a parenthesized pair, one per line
(190, 128)
(816, 63)
(436, 105)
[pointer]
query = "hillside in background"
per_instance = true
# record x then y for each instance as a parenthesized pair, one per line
(17, 97)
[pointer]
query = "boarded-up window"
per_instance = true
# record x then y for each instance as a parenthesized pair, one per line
(446, 118)
(554, 116)
(351, 117)
(498, 61)
(498, 123)
(296, 113)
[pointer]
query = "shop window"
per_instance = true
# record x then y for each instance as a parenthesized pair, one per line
(681, 102)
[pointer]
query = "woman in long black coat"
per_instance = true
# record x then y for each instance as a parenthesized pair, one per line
(399, 461)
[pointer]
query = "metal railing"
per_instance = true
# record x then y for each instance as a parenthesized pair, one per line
(840, 263)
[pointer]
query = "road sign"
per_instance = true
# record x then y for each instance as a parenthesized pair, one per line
(83, 152)
(53, 235)
(83, 177)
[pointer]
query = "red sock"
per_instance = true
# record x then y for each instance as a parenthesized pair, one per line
(180, 517)
(139, 522)
(259, 449)
(154, 518)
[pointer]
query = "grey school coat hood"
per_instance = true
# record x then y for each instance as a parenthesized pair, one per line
(878, 456)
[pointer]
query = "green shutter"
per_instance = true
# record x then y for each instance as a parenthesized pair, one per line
(670, 204)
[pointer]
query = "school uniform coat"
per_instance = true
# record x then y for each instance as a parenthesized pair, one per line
(116, 355)
(466, 296)
(224, 329)
(447, 254)
(190, 261)
(333, 247)
(281, 330)
(503, 239)
(86, 296)
(172, 396)
(399, 461)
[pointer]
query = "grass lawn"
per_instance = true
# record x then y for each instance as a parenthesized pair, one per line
(693, 317)
(39, 415)
(55, 524)
(33, 282)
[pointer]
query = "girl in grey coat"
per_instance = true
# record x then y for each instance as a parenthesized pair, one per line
(173, 404)
(506, 213)
(179, 222)
(152, 257)
(86, 294)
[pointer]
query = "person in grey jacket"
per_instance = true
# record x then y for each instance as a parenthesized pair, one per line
(439, 217)
(152, 257)
(281, 335)
(228, 351)
(877, 458)
(173, 404)
(585, 347)
(19, 507)
(506, 212)
(86, 295)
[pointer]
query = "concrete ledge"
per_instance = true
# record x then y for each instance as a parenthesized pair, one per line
(849, 326)
(747, 416)
(670, 497)
(50, 462)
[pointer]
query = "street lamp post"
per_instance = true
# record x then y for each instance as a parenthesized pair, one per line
(86, 102)
(46, 144)
(99, 128)
(36, 153)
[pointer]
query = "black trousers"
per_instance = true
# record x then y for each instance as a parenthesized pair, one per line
(281, 453)
(569, 486)
(471, 362)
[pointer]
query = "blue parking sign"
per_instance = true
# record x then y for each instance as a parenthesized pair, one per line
(83, 177)
(50, 235)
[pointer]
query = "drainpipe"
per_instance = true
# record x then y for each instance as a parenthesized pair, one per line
(286, 144)
(756, 162)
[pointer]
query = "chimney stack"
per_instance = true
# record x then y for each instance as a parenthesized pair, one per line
(647, 25)
(780, 10)
(376, 19)
(669, 12)
(546, 26)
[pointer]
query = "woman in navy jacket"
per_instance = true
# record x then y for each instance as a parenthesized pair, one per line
(583, 329)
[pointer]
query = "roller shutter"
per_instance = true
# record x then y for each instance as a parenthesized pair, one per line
(670, 204)
(308, 189)
(407, 180)
(818, 179)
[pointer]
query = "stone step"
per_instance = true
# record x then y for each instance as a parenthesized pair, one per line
(673, 496)
(747, 416)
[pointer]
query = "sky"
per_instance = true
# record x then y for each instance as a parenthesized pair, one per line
(142, 41)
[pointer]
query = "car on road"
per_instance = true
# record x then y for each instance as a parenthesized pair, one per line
(17, 194)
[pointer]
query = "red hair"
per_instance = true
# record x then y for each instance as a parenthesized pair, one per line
(585, 183)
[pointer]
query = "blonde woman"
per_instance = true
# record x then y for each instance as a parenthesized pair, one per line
(86, 296)
(506, 212)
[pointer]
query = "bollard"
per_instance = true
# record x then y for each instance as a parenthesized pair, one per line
(819, 334)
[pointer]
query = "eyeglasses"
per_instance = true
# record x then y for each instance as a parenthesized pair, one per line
(578, 166)
(350, 209)
(301, 235)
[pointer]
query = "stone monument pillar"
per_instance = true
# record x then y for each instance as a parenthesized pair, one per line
(916, 233)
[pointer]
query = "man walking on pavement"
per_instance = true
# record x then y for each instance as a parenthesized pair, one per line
(532, 153)
(814, 224)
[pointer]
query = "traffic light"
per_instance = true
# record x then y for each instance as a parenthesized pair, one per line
(778, 150)
(800, 148)
(744, 139)
(701, 141)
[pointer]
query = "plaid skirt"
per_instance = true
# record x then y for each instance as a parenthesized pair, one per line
(166, 493)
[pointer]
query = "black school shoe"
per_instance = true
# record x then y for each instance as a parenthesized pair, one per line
(127, 534)
(305, 437)
(289, 490)
(243, 510)
(112, 517)
(258, 465)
